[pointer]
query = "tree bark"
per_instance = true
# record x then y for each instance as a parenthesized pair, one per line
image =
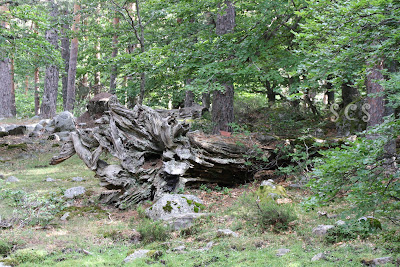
(73, 61)
(377, 103)
(6, 108)
(49, 102)
(349, 94)
(36, 85)
(206, 100)
(65, 53)
(113, 76)
(222, 109)
(270, 92)
(13, 106)
(329, 96)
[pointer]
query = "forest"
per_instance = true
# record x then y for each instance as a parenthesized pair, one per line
(273, 124)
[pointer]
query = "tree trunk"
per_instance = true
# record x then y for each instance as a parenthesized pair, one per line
(6, 109)
(349, 94)
(13, 106)
(97, 75)
(157, 154)
(65, 53)
(26, 84)
(73, 61)
(270, 92)
(206, 101)
(222, 109)
(49, 102)
(189, 99)
(36, 85)
(377, 103)
(113, 76)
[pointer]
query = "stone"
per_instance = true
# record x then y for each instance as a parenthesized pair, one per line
(64, 122)
(38, 127)
(65, 216)
(319, 256)
(45, 122)
(269, 190)
(140, 253)
(331, 216)
(4, 265)
(269, 183)
(282, 251)
(77, 179)
(340, 222)
(12, 179)
(208, 246)
(381, 261)
(322, 229)
(16, 129)
(74, 192)
(176, 209)
(49, 179)
(226, 232)
(179, 249)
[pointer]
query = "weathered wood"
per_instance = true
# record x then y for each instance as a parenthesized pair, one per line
(157, 154)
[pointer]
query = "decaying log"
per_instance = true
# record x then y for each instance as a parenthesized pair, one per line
(157, 154)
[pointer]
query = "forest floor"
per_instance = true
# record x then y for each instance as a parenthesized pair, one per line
(98, 235)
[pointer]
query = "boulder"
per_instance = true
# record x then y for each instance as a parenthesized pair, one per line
(322, 229)
(226, 232)
(77, 179)
(269, 190)
(12, 179)
(64, 122)
(176, 209)
(340, 223)
(140, 253)
(16, 129)
(319, 256)
(74, 192)
(282, 251)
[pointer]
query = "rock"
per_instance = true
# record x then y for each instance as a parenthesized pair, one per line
(49, 179)
(36, 117)
(179, 249)
(38, 127)
(340, 222)
(45, 122)
(282, 251)
(269, 190)
(269, 183)
(65, 216)
(331, 216)
(77, 179)
(265, 138)
(4, 265)
(319, 256)
(295, 186)
(74, 191)
(207, 247)
(381, 261)
(226, 232)
(12, 179)
(64, 122)
(141, 253)
(322, 229)
(16, 129)
(135, 236)
(176, 209)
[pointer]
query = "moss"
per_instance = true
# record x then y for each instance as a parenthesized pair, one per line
(266, 193)
(29, 255)
(83, 211)
(10, 262)
(196, 209)
(155, 254)
(167, 207)
(199, 205)
(15, 146)
(189, 201)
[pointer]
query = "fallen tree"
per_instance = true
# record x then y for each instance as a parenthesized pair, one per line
(157, 154)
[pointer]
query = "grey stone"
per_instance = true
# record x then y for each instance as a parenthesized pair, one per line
(38, 127)
(295, 186)
(141, 253)
(332, 216)
(65, 216)
(16, 129)
(176, 209)
(340, 222)
(49, 129)
(77, 179)
(74, 191)
(45, 122)
(4, 265)
(64, 122)
(322, 229)
(208, 246)
(282, 251)
(269, 182)
(49, 179)
(179, 248)
(319, 256)
(381, 261)
(36, 117)
(226, 232)
(12, 179)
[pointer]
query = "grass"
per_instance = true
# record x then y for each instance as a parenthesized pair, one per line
(98, 235)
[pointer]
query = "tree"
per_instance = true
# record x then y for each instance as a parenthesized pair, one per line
(73, 60)
(6, 95)
(49, 102)
(222, 109)
(113, 76)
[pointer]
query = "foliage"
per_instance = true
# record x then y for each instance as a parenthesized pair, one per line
(360, 171)
(5, 248)
(357, 229)
(29, 255)
(391, 241)
(152, 231)
(264, 214)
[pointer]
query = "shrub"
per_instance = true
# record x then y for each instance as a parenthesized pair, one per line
(350, 231)
(360, 171)
(265, 214)
(5, 248)
(29, 255)
(153, 231)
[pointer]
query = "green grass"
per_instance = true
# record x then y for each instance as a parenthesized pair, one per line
(105, 232)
